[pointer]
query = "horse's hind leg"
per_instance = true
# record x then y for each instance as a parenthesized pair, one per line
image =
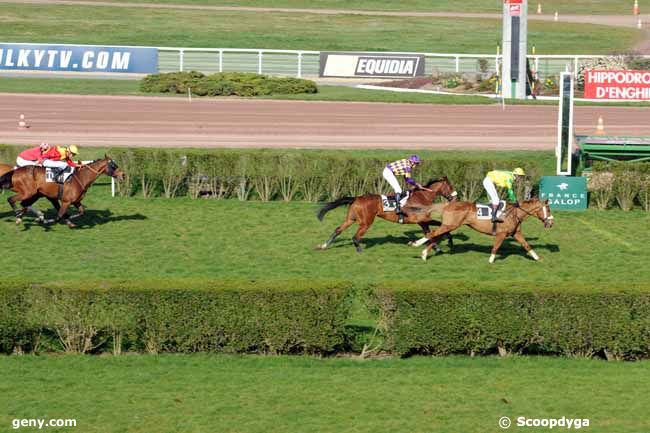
(18, 212)
(349, 220)
(356, 239)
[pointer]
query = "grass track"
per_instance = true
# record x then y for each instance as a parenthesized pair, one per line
(188, 28)
(492, 6)
(164, 394)
(182, 238)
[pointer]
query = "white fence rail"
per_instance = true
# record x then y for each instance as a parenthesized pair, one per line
(306, 63)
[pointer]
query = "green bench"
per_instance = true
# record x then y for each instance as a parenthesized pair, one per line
(610, 148)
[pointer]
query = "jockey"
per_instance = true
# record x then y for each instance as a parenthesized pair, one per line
(32, 156)
(503, 179)
(401, 167)
(60, 158)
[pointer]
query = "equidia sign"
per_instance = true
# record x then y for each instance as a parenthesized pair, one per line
(78, 58)
(371, 65)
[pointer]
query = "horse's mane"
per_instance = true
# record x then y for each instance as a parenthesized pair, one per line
(435, 180)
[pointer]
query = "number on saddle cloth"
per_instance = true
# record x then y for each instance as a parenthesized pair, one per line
(54, 175)
(388, 201)
(484, 211)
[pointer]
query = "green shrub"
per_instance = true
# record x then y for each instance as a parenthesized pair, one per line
(202, 316)
(285, 175)
(225, 84)
(581, 323)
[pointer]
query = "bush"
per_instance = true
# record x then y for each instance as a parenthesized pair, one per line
(443, 321)
(225, 84)
(622, 182)
(281, 175)
(207, 316)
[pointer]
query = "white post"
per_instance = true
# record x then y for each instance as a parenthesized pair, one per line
(457, 64)
(575, 67)
(299, 64)
(220, 60)
(181, 60)
(259, 63)
(112, 187)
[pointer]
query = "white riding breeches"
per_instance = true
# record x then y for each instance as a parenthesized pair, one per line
(392, 180)
(20, 162)
(54, 164)
(491, 190)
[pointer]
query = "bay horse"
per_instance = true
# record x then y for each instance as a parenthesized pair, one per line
(464, 213)
(363, 210)
(27, 204)
(29, 184)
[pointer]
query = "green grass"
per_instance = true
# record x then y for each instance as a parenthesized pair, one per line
(188, 28)
(200, 394)
(582, 7)
(134, 238)
(80, 86)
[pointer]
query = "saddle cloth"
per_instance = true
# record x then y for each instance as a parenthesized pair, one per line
(61, 178)
(388, 201)
(484, 211)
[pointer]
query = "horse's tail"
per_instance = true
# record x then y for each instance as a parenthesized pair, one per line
(6, 180)
(333, 205)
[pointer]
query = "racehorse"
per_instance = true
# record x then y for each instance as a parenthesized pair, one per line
(363, 210)
(27, 204)
(464, 213)
(29, 184)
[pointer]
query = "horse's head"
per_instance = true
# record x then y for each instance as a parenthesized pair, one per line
(443, 187)
(540, 209)
(112, 170)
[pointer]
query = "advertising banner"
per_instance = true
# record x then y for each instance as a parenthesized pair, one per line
(370, 65)
(78, 58)
(630, 85)
(564, 192)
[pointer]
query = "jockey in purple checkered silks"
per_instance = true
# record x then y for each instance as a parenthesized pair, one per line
(401, 167)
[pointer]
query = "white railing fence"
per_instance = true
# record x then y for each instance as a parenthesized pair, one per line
(306, 63)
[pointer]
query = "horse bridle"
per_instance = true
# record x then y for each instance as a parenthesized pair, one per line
(533, 213)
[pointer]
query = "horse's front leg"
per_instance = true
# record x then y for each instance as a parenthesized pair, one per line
(63, 212)
(498, 240)
(80, 207)
(520, 238)
(426, 230)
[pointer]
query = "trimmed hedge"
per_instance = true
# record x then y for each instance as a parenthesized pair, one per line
(620, 183)
(289, 175)
(225, 84)
(440, 321)
(247, 317)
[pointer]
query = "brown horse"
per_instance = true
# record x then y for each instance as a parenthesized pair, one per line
(464, 213)
(29, 184)
(27, 204)
(365, 208)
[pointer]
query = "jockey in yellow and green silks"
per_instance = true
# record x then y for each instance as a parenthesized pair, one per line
(503, 179)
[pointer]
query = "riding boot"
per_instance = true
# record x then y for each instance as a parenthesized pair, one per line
(398, 208)
(494, 214)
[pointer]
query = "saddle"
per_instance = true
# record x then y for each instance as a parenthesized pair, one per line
(484, 211)
(388, 201)
(54, 175)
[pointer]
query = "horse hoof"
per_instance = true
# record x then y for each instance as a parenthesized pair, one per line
(320, 247)
(359, 250)
(71, 225)
(424, 255)
(18, 221)
(412, 244)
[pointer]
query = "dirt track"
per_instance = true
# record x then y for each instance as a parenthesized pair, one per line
(148, 121)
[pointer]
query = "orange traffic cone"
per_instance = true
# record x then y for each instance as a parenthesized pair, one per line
(539, 8)
(600, 129)
(21, 123)
(636, 10)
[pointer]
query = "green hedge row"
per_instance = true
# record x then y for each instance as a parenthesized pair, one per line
(290, 175)
(620, 184)
(276, 318)
(615, 325)
(225, 84)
